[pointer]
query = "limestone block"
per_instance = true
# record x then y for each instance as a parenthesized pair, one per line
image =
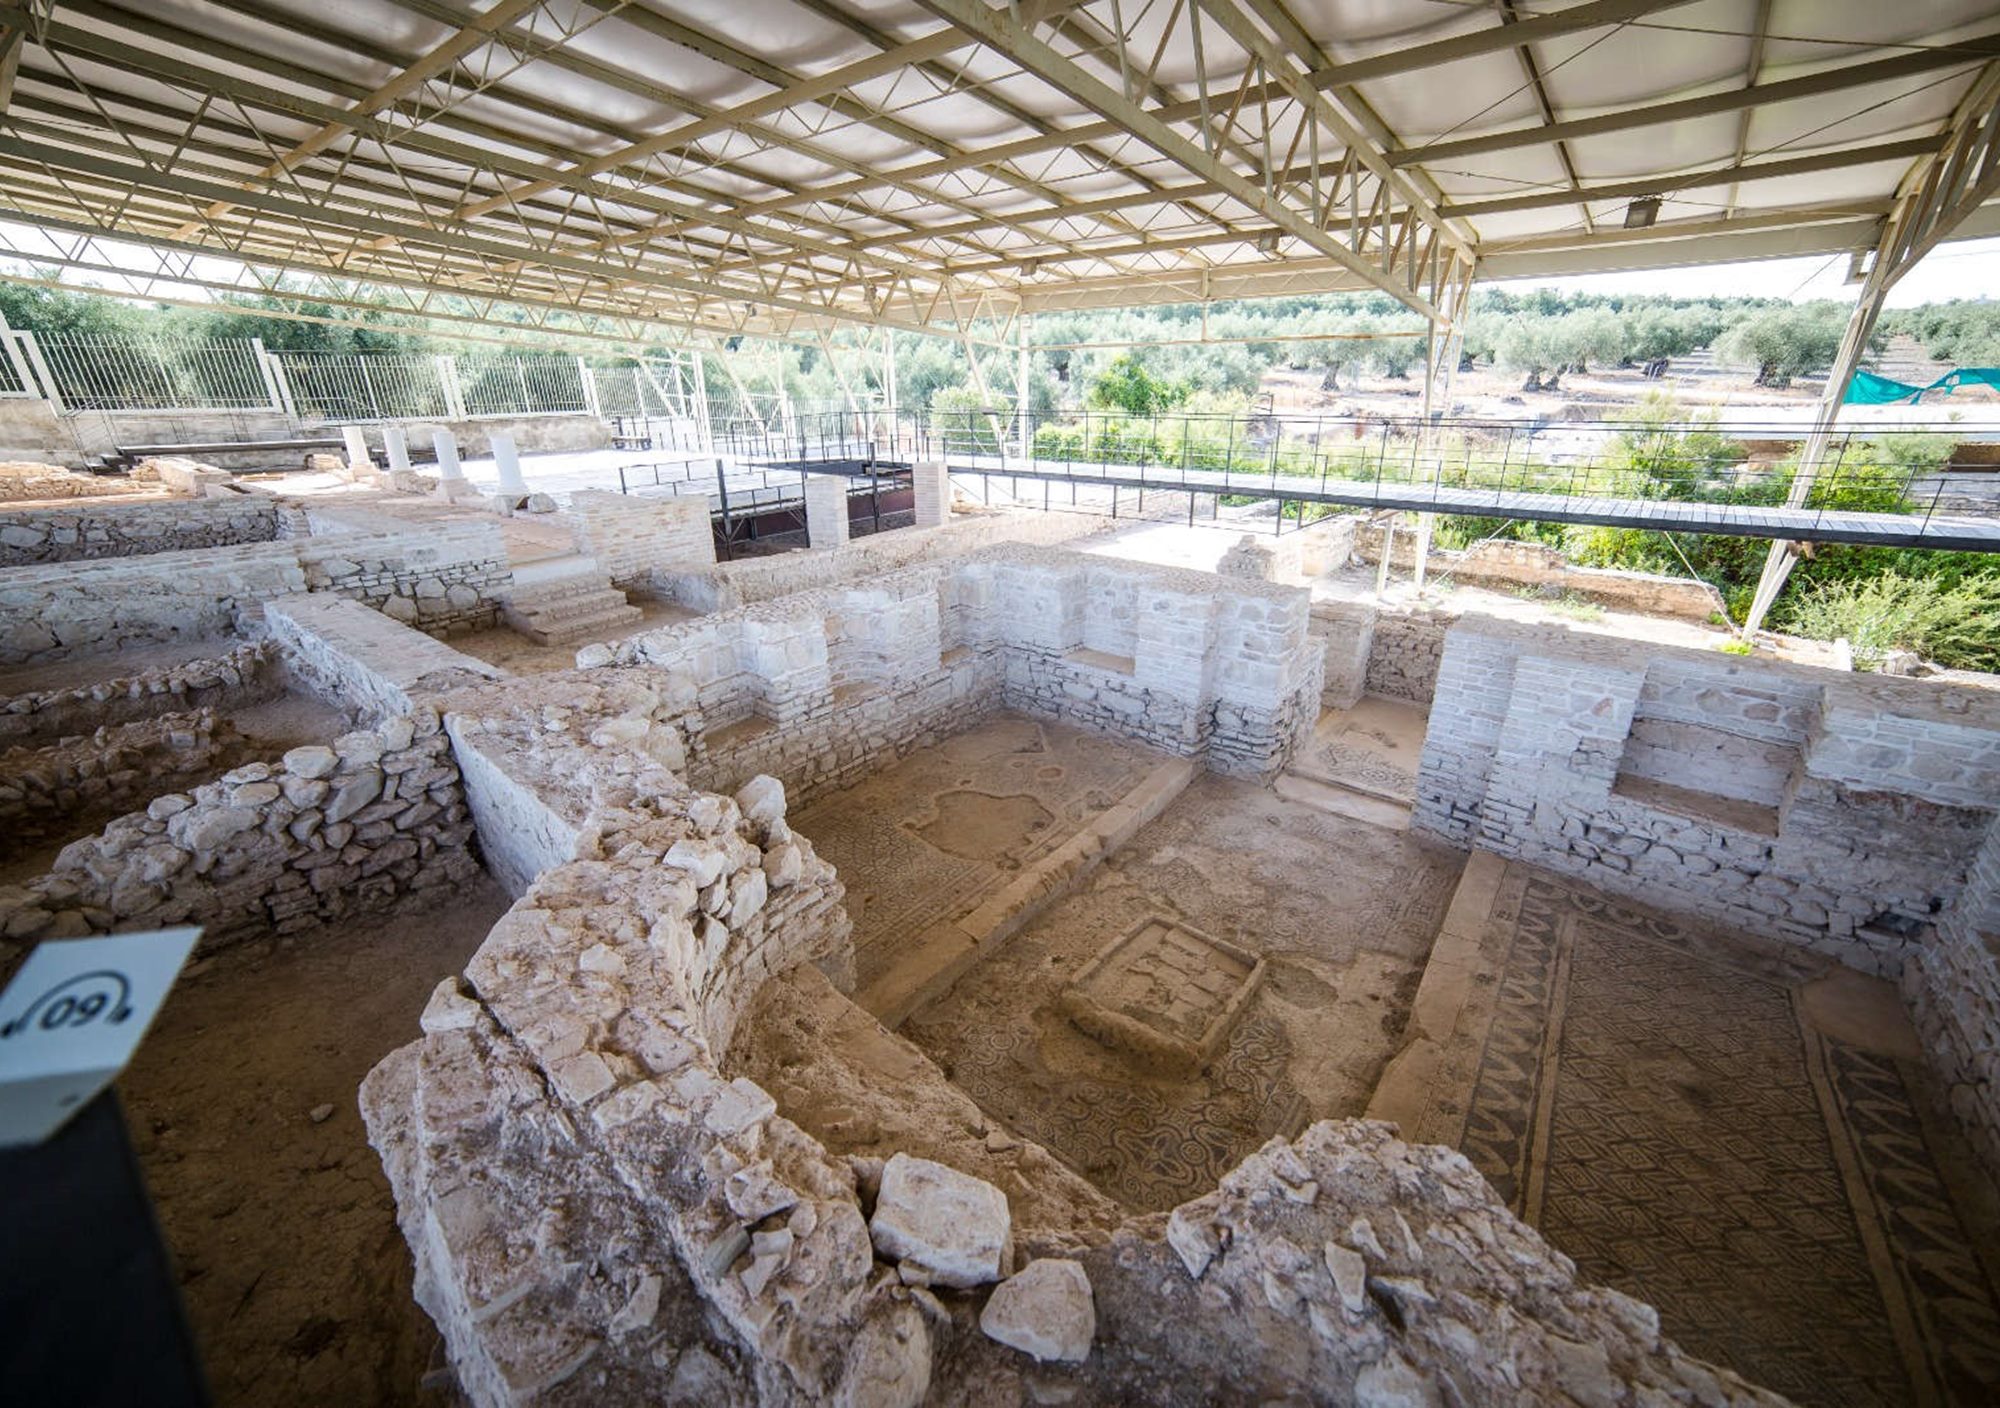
(1045, 1311)
(951, 1227)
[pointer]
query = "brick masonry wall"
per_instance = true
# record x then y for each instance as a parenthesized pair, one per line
(632, 538)
(818, 687)
(77, 532)
(1854, 853)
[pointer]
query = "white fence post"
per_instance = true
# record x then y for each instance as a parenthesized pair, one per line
(279, 402)
(454, 399)
(10, 344)
(274, 366)
(31, 347)
(589, 380)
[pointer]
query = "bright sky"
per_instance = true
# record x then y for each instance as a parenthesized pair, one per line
(1970, 269)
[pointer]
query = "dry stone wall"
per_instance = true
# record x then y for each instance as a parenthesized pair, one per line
(1953, 988)
(100, 530)
(53, 789)
(326, 833)
(443, 579)
(1404, 651)
(246, 674)
(31, 479)
(54, 611)
(1296, 555)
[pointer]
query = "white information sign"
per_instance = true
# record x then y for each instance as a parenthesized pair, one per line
(72, 1018)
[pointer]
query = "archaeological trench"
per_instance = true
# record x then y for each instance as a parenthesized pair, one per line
(969, 966)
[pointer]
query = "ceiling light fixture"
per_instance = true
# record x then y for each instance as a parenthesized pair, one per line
(1642, 212)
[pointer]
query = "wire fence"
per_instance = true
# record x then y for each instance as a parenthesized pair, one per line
(521, 386)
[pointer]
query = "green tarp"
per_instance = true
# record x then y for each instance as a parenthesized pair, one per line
(1868, 389)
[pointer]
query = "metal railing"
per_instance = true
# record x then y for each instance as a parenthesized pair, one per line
(1469, 466)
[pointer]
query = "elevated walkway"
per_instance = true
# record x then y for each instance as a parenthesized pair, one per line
(1956, 532)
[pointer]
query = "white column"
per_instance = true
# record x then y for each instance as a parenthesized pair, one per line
(446, 445)
(357, 449)
(507, 460)
(933, 486)
(396, 441)
(826, 510)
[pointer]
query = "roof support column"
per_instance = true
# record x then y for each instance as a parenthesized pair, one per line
(1443, 346)
(1024, 418)
(1785, 551)
(1936, 197)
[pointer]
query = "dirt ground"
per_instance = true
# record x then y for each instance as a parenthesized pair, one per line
(1342, 912)
(296, 1279)
(127, 660)
(926, 838)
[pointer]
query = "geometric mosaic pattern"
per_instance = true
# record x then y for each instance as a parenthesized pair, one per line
(1656, 1105)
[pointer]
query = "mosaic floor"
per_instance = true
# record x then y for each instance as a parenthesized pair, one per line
(1738, 1136)
(1372, 748)
(923, 841)
(1343, 914)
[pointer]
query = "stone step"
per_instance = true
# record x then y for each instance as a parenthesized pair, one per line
(558, 589)
(575, 631)
(579, 610)
(571, 607)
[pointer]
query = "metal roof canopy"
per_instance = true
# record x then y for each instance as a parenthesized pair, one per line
(781, 167)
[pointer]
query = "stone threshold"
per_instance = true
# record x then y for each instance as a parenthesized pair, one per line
(1426, 1087)
(1343, 799)
(953, 948)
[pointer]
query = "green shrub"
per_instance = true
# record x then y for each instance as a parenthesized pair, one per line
(1954, 623)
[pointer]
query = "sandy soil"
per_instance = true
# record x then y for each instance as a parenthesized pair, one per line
(296, 1278)
(129, 660)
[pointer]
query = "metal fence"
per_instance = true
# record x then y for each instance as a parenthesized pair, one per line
(118, 374)
(107, 374)
(364, 386)
(521, 386)
(15, 377)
